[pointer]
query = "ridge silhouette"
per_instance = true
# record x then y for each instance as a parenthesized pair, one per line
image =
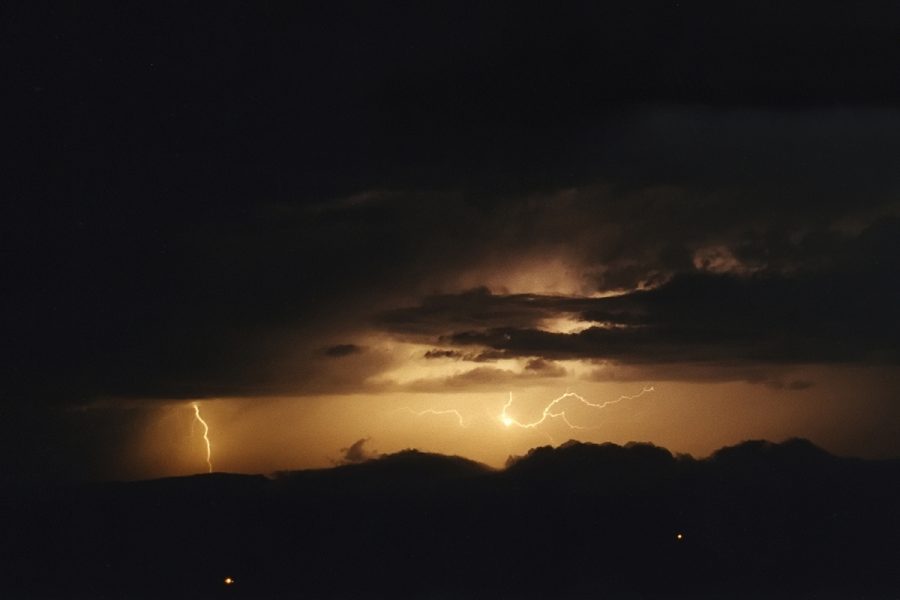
(578, 520)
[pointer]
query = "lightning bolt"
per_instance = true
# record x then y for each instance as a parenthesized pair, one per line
(550, 412)
(205, 435)
(431, 411)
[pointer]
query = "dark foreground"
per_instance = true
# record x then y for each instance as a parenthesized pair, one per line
(580, 521)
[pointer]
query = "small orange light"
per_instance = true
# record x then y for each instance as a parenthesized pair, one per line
(229, 581)
(679, 536)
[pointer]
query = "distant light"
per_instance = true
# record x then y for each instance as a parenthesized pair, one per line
(228, 581)
(679, 536)
(506, 420)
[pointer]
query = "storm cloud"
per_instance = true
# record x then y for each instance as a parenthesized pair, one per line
(834, 305)
(234, 204)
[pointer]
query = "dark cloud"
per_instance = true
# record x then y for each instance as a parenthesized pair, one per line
(488, 378)
(837, 308)
(437, 353)
(121, 308)
(342, 350)
(545, 368)
(475, 308)
(774, 376)
(479, 377)
(357, 453)
(708, 318)
(799, 384)
(487, 356)
(795, 385)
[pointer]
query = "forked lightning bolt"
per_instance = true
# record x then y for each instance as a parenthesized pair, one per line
(205, 436)
(431, 411)
(553, 410)
(550, 413)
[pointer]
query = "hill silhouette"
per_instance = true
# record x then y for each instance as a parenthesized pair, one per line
(579, 520)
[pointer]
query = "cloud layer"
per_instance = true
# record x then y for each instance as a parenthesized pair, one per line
(306, 200)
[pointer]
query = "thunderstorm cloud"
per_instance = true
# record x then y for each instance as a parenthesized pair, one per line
(289, 202)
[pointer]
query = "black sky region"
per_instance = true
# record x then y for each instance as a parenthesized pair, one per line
(193, 192)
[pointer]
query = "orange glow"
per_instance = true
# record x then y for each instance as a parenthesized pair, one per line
(679, 536)
(546, 271)
(228, 581)
(266, 434)
(431, 411)
(548, 412)
(205, 436)
(566, 324)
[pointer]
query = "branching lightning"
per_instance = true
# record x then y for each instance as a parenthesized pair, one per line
(553, 410)
(431, 411)
(550, 413)
(205, 435)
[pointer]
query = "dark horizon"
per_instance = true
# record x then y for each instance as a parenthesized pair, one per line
(780, 520)
(359, 453)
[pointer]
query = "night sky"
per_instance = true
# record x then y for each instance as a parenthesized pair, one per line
(349, 229)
